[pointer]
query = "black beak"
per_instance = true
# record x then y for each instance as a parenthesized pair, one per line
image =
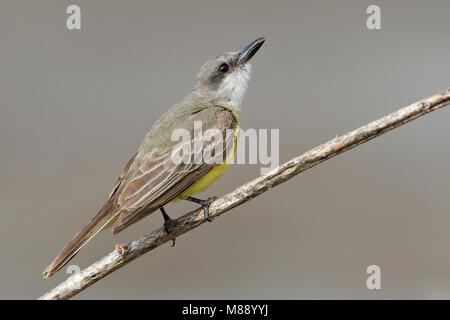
(249, 51)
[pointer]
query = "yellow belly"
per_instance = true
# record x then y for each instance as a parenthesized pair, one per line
(202, 184)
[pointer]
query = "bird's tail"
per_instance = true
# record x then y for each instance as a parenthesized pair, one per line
(102, 221)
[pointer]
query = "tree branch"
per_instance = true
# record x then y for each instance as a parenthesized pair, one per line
(128, 252)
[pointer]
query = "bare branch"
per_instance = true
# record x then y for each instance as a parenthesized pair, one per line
(128, 252)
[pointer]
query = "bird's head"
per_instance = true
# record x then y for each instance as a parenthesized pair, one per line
(224, 79)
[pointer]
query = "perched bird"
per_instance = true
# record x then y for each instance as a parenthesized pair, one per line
(151, 178)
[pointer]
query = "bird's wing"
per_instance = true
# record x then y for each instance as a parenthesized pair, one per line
(158, 179)
(122, 175)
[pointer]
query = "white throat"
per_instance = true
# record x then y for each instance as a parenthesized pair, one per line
(234, 87)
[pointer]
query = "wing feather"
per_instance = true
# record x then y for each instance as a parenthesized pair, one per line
(158, 180)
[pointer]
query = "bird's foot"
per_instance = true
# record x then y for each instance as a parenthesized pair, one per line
(205, 205)
(167, 222)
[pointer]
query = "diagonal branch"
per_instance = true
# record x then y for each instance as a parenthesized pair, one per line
(128, 252)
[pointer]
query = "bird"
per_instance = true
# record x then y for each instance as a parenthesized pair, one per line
(152, 178)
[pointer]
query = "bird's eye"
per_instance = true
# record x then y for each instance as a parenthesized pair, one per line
(224, 67)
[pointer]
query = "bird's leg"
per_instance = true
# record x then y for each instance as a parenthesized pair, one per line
(167, 221)
(205, 205)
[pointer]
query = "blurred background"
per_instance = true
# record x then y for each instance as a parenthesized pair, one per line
(75, 105)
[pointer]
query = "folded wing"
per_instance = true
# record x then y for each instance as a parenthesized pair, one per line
(160, 177)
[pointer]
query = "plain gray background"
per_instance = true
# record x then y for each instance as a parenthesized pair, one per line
(76, 104)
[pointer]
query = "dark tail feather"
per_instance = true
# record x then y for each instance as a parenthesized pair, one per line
(100, 222)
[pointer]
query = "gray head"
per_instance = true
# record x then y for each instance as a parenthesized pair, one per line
(224, 79)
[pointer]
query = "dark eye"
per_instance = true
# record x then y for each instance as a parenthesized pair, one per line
(224, 67)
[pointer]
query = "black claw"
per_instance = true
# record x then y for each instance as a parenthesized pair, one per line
(167, 222)
(205, 205)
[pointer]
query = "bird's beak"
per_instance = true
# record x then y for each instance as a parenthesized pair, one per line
(249, 51)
